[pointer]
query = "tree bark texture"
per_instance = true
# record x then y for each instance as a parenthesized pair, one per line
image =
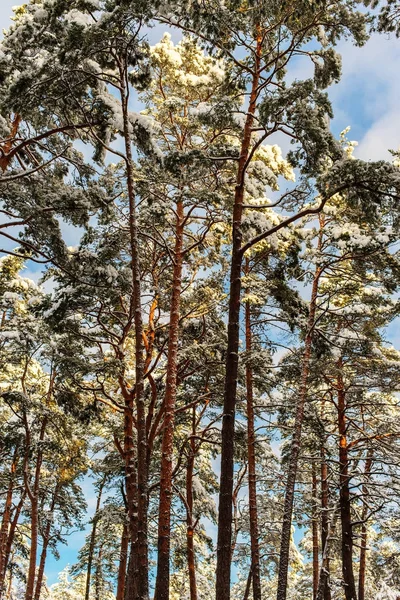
(344, 495)
(11, 535)
(6, 520)
(167, 448)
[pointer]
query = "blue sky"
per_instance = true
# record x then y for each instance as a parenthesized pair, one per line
(365, 99)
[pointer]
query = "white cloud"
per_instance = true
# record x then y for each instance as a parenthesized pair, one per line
(367, 96)
(383, 135)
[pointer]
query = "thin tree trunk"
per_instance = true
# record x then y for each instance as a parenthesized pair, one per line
(140, 571)
(315, 531)
(296, 438)
(189, 512)
(324, 571)
(325, 521)
(251, 454)
(364, 514)
(92, 542)
(6, 520)
(9, 589)
(98, 576)
(123, 559)
(34, 527)
(235, 516)
(248, 585)
(344, 496)
(167, 448)
(11, 535)
(33, 494)
(130, 583)
(42, 564)
(224, 542)
(46, 540)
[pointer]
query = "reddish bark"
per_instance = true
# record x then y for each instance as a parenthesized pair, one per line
(11, 534)
(6, 146)
(167, 448)
(6, 520)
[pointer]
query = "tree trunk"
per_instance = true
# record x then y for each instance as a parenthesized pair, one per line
(140, 572)
(189, 513)
(9, 589)
(6, 520)
(42, 564)
(344, 496)
(167, 449)
(34, 526)
(98, 577)
(11, 535)
(33, 494)
(325, 521)
(248, 586)
(224, 543)
(364, 514)
(251, 441)
(92, 542)
(123, 559)
(296, 438)
(46, 540)
(130, 583)
(315, 531)
(324, 571)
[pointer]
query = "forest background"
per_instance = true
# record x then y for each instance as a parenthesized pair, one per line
(366, 99)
